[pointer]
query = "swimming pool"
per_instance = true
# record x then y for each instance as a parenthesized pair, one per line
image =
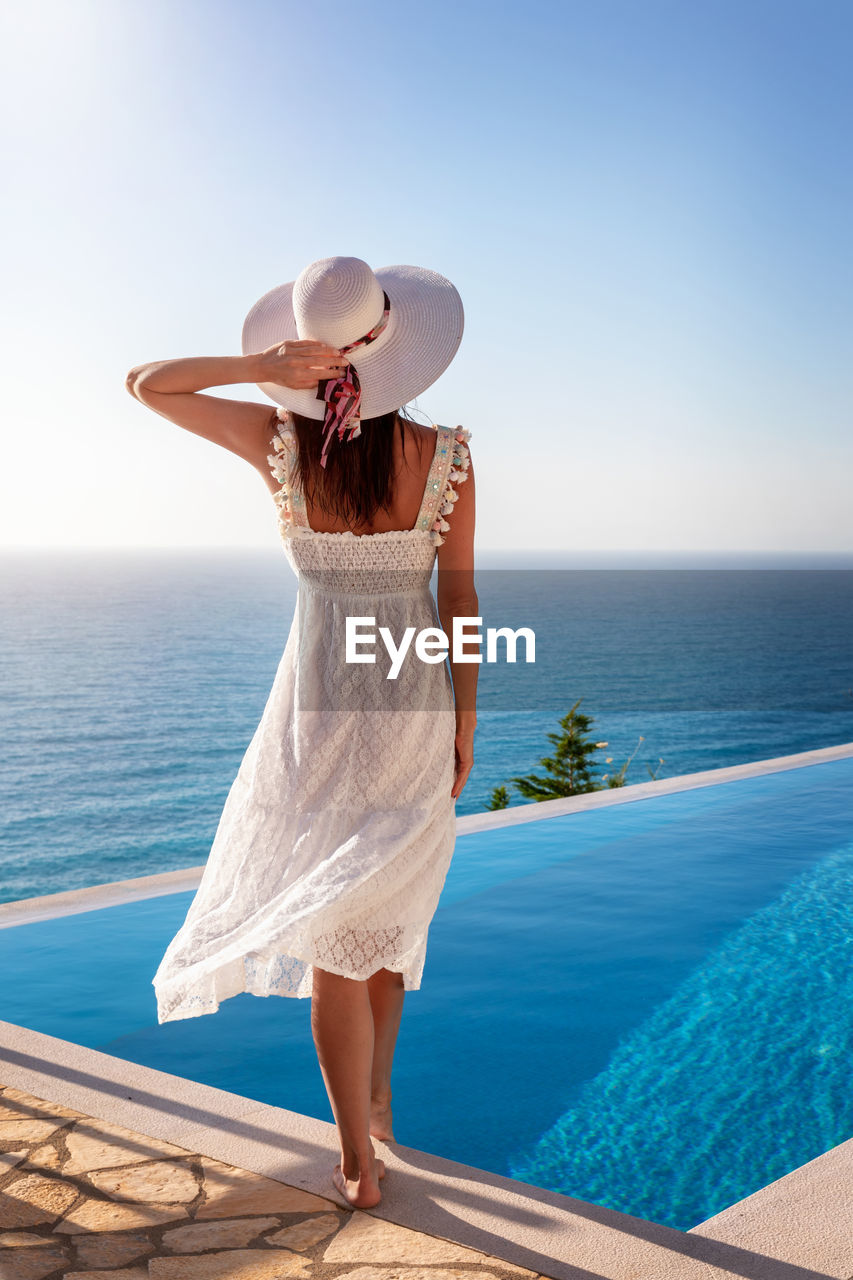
(644, 1004)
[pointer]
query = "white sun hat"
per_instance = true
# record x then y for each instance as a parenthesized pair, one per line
(341, 301)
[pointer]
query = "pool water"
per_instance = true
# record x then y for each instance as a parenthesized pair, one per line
(644, 1005)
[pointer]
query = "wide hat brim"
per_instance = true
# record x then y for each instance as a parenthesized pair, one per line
(421, 338)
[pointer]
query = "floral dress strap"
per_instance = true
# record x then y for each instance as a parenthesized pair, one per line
(449, 467)
(289, 499)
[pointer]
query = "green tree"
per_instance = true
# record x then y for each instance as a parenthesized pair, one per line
(570, 771)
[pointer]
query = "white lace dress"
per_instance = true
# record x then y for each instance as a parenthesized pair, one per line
(338, 831)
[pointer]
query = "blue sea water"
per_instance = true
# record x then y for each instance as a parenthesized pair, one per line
(131, 684)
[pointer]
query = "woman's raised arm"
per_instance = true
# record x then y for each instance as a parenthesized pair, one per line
(172, 388)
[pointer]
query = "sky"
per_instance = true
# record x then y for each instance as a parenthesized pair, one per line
(646, 206)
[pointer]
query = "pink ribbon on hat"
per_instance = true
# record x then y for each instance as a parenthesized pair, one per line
(343, 394)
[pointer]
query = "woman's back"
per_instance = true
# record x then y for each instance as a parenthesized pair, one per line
(410, 471)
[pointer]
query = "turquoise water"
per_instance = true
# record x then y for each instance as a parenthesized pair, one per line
(706, 1063)
(644, 1005)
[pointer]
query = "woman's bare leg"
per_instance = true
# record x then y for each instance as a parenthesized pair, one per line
(386, 991)
(342, 1024)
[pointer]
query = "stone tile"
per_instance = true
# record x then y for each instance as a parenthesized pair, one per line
(417, 1273)
(14, 1102)
(233, 1264)
(27, 1129)
(32, 1199)
(233, 1232)
(304, 1235)
(8, 1159)
(111, 1250)
(126, 1273)
(46, 1157)
(20, 1239)
(30, 1264)
(99, 1144)
(106, 1215)
(158, 1182)
(368, 1239)
(234, 1192)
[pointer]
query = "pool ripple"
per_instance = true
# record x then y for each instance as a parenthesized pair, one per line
(734, 1080)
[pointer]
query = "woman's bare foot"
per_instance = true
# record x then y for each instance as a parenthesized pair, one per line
(381, 1124)
(361, 1191)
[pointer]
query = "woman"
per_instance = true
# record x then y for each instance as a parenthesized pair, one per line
(338, 830)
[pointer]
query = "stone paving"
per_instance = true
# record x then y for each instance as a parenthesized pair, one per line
(88, 1200)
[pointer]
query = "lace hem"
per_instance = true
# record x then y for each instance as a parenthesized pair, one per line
(273, 973)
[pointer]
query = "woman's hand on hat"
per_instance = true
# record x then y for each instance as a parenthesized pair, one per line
(299, 364)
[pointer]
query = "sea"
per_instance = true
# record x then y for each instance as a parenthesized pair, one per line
(131, 682)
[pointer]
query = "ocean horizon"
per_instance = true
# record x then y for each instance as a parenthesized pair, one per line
(509, 557)
(131, 682)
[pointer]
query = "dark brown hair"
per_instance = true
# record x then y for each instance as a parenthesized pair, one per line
(358, 477)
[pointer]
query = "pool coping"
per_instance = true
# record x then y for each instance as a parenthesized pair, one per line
(792, 1229)
(73, 901)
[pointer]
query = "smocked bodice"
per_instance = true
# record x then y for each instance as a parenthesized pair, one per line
(396, 561)
(368, 564)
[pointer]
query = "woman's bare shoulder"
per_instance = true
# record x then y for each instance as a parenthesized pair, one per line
(423, 441)
(417, 431)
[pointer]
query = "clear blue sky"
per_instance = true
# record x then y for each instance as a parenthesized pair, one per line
(646, 206)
